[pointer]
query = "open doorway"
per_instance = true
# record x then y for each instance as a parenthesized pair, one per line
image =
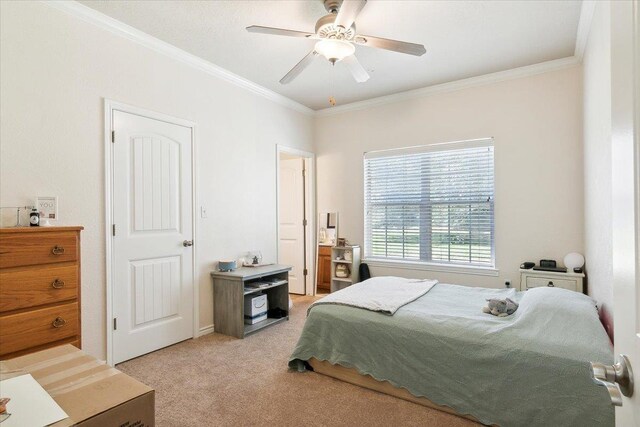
(295, 216)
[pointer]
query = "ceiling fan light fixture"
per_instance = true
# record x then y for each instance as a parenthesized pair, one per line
(334, 50)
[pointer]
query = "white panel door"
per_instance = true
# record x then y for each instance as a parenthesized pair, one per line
(625, 157)
(152, 213)
(291, 217)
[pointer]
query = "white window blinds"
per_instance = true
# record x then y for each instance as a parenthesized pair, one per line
(431, 204)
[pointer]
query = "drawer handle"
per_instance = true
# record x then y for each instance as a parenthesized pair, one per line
(550, 284)
(57, 250)
(59, 322)
(57, 284)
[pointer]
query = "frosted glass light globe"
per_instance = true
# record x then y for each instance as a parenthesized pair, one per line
(334, 50)
(573, 260)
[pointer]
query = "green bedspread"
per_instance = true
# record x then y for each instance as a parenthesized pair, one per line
(527, 369)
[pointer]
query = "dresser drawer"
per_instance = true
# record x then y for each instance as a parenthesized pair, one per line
(536, 282)
(37, 285)
(18, 249)
(38, 327)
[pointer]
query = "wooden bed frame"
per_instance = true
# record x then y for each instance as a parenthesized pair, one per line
(352, 376)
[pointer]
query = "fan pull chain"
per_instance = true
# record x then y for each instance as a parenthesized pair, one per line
(332, 100)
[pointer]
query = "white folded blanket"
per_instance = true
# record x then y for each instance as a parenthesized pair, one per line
(383, 294)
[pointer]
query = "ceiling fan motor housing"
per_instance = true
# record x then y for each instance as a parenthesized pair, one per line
(326, 29)
(332, 6)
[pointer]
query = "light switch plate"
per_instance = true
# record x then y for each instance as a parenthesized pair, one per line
(203, 212)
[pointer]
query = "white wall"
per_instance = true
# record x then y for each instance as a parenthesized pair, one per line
(536, 122)
(597, 157)
(56, 70)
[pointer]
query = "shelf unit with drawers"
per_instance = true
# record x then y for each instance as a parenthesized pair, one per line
(39, 289)
(530, 278)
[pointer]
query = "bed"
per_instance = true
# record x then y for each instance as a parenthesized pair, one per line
(440, 350)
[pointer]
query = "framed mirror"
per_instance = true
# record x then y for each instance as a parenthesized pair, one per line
(327, 228)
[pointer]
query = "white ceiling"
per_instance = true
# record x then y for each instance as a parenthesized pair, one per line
(463, 39)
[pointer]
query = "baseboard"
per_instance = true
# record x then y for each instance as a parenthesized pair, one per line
(205, 330)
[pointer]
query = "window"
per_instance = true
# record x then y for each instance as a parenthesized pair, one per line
(431, 204)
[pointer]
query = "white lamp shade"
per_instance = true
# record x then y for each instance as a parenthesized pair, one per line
(573, 260)
(333, 49)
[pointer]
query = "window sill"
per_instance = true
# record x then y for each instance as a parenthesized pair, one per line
(428, 266)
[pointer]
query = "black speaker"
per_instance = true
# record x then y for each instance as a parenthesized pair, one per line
(364, 272)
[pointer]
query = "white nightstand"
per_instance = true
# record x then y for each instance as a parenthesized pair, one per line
(537, 278)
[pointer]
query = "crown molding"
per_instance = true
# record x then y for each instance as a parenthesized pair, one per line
(500, 76)
(584, 26)
(119, 28)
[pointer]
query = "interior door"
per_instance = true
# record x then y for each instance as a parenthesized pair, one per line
(291, 231)
(625, 121)
(625, 156)
(152, 254)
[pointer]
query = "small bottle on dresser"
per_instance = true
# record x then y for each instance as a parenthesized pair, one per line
(34, 218)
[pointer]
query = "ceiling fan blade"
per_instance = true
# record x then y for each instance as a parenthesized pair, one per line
(348, 12)
(357, 70)
(278, 31)
(394, 45)
(299, 67)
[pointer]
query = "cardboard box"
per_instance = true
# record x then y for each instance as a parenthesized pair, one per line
(255, 308)
(91, 392)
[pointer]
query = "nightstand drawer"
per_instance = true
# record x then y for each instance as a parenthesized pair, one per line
(536, 282)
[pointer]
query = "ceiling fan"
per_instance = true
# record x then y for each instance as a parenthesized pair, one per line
(336, 35)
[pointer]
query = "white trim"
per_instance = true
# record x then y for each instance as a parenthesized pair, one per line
(438, 146)
(500, 76)
(195, 203)
(108, 221)
(205, 330)
(114, 26)
(310, 161)
(427, 266)
(584, 26)
(109, 107)
(105, 22)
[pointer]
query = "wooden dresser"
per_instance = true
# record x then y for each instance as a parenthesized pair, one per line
(324, 269)
(39, 289)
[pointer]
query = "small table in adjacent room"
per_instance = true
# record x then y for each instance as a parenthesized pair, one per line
(230, 289)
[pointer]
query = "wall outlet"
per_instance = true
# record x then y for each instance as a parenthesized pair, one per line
(507, 284)
(203, 212)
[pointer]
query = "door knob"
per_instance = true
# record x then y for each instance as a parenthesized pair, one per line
(187, 243)
(617, 378)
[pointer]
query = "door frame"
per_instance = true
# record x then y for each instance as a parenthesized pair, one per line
(109, 107)
(310, 208)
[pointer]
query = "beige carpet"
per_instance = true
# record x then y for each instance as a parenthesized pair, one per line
(223, 381)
